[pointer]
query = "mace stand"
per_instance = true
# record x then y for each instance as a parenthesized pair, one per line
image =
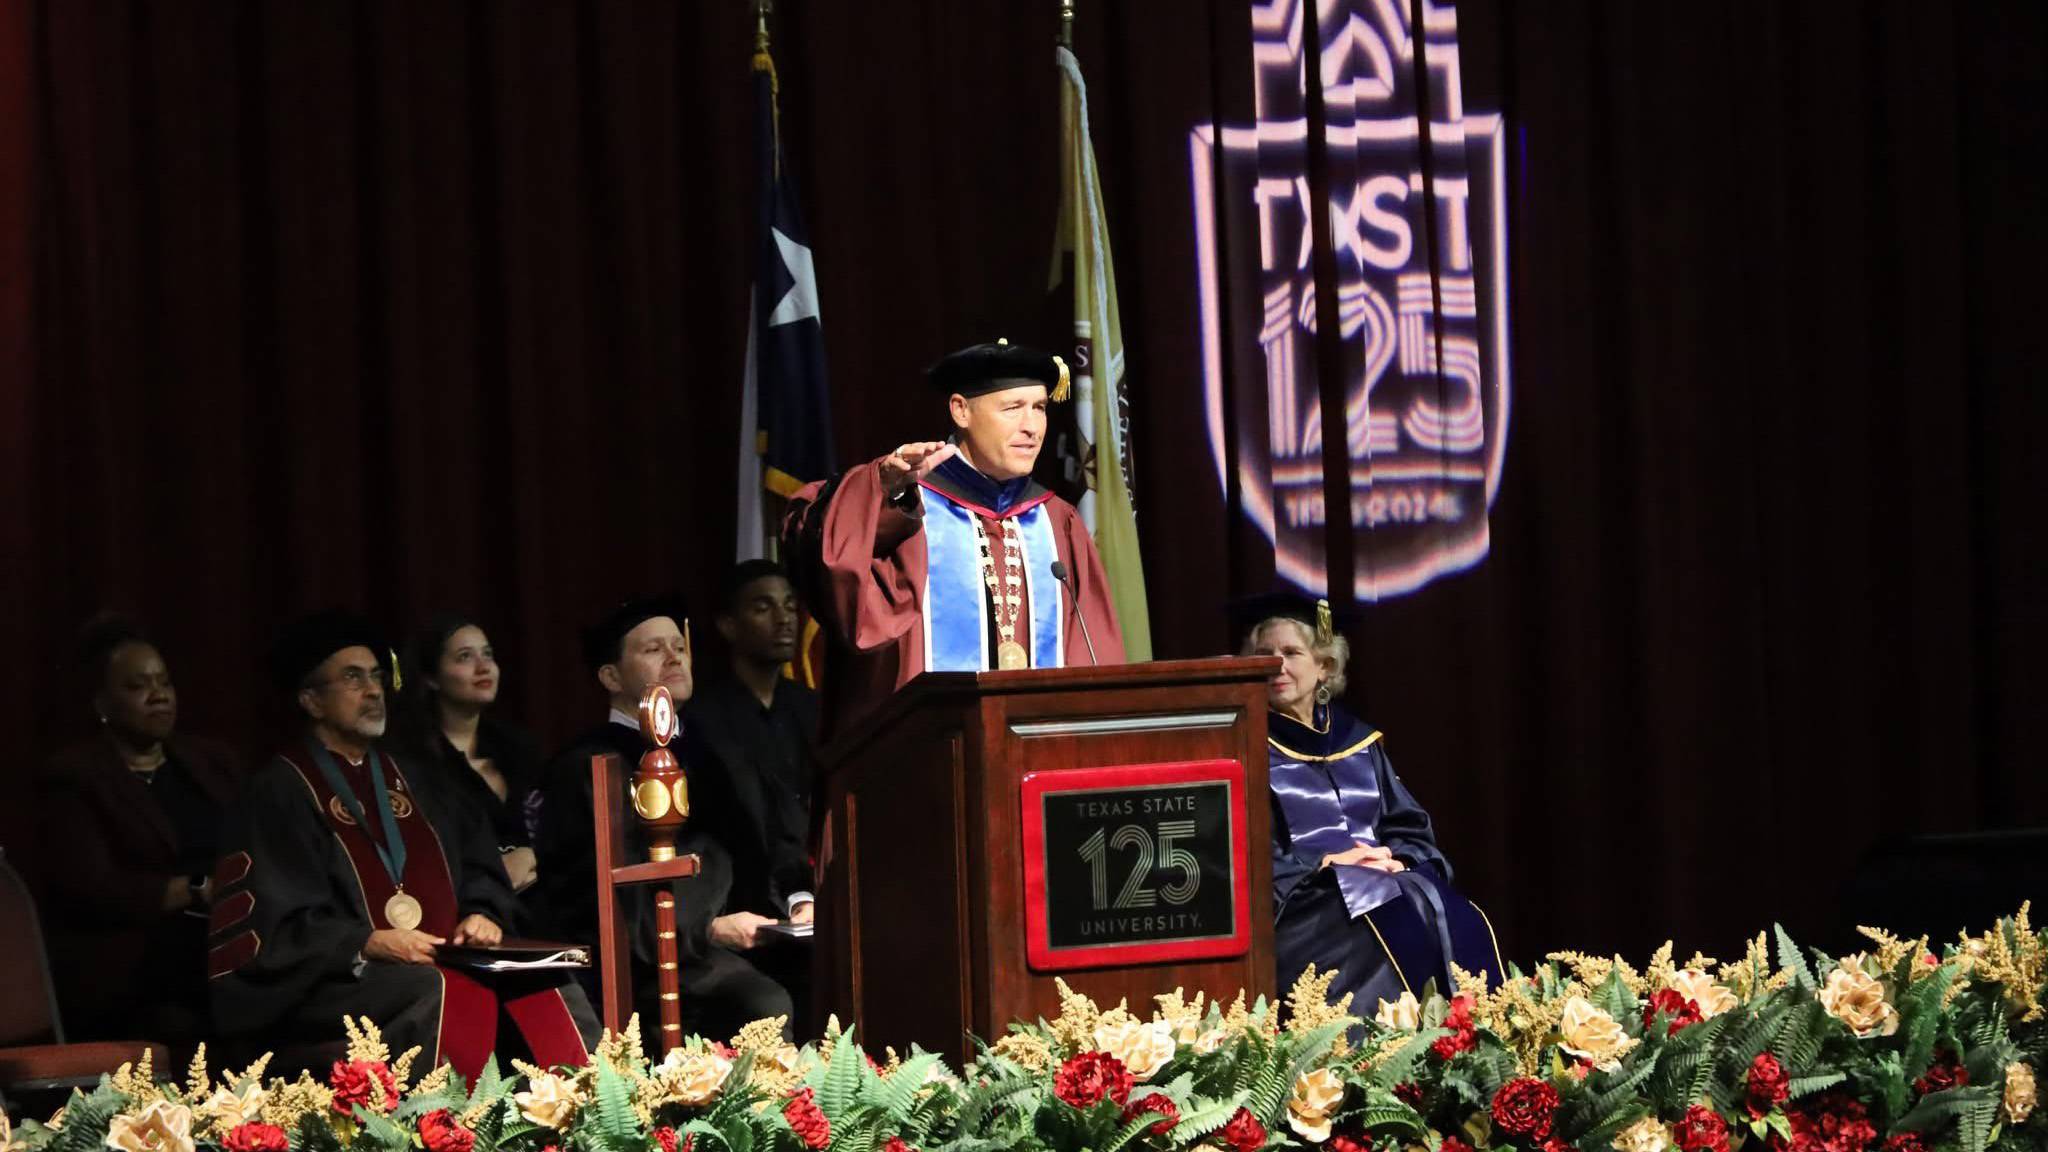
(661, 805)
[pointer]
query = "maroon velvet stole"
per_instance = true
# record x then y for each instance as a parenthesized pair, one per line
(469, 1007)
(426, 867)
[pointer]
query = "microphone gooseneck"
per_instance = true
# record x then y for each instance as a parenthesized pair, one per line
(1060, 573)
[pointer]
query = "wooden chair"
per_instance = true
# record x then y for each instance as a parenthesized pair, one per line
(33, 1054)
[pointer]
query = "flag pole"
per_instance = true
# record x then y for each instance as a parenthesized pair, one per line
(762, 10)
(1067, 24)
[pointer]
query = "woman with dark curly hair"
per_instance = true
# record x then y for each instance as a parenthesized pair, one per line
(133, 818)
(1359, 885)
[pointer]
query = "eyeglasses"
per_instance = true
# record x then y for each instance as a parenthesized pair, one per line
(356, 680)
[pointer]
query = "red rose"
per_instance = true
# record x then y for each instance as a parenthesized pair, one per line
(896, 1144)
(1453, 1144)
(807, 1120)
(1446, 1047)
(1084, 1080)
(1702, 1130)
(1244, 1133)
(664, 1136)
(1462, 1037)
(1524, 1108)
(1906, 1142)
(440, 1133)
(1410, 1093)
(1553, 1144)
(351, 1083)
(1672, 1004)
(1946, 1072)
(1153, 1102)
(1831, 1123)
(1768, 1085)
(1343, 1143)
(255, 1138)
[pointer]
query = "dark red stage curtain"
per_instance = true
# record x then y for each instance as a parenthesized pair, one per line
(412, 305)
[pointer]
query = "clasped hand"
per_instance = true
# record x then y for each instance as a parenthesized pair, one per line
(412, 946)
(1367, 856)
(912, 462)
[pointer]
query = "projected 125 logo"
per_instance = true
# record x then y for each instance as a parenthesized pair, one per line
(1416, 222)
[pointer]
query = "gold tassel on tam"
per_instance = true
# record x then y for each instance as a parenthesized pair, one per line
(397, 678)
(1065, 389)
(1325, 628)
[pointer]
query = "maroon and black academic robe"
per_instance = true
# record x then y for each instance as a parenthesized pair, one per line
(302, 888)
(862, 564)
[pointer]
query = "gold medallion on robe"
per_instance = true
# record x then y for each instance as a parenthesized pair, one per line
(1011, 655)
(403, 912)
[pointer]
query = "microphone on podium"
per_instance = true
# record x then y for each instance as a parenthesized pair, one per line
(1060, 573)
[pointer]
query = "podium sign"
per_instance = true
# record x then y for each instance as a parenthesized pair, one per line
(1135, 864)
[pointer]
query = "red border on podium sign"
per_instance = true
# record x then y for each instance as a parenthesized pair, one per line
(1036, 786)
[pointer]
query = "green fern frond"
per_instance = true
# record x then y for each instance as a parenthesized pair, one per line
(1195, 1125)
(1614, 998)
(1801, 1087)
(840, 1083)
(1401, 1065)
(1792, 960)
(380, 1132)
(896, 1095)
(1392, 1118)
(612, 1123)
(1936, 1109)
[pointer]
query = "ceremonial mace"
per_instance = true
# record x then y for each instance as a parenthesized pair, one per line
(661, 798)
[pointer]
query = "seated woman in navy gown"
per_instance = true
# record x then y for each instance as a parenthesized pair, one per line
(1359, 885)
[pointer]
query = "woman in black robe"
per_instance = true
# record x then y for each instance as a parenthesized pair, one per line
(1359, 884)
(447, 724)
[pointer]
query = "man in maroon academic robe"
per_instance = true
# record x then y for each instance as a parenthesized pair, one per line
(947, 556)
(346, 875)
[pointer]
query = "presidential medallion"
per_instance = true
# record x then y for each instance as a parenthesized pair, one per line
(403, 912)
(1010, 655)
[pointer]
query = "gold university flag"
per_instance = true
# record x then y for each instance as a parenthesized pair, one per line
(1101, 407)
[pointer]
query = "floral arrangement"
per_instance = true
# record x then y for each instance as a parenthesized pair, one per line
(1895, 1049)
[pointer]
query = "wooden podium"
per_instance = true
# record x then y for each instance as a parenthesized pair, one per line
(982, 828)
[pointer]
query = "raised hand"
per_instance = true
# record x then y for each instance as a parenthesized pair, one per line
(912, 462)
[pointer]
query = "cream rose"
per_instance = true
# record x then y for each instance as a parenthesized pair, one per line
(1404, 1014)
(1211, 1040)
(2019, 1092)
(1143, 1048)
(1701, 989)
(1316, 1094)
(1591, 1034)
(1856, 998)
(1645, 1135)
(161, 1127)
(549, 1102)
(692, 1079)
(229, 1108)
